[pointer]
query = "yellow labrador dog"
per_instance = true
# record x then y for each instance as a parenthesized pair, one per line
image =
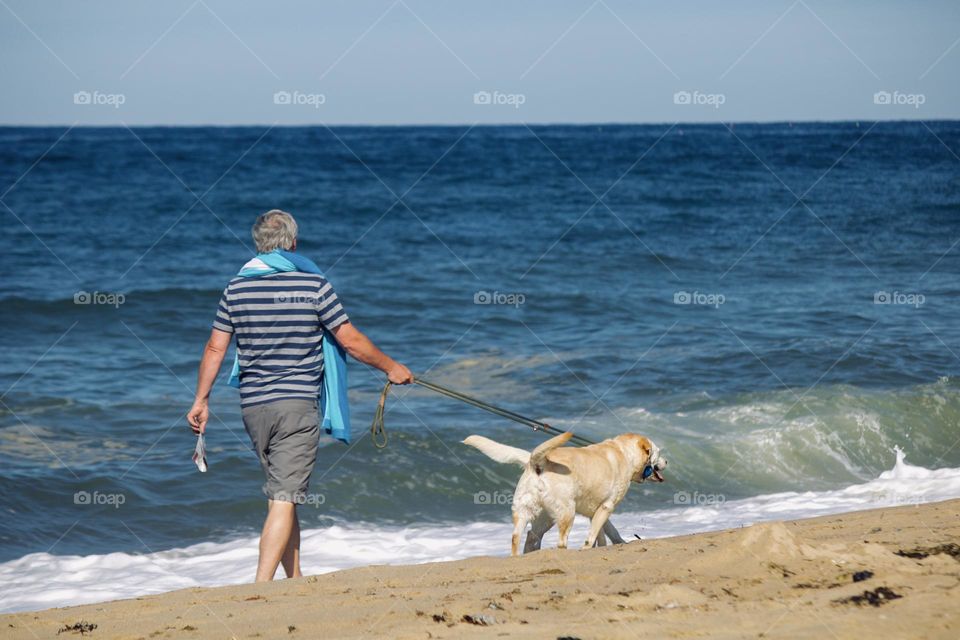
(558, 483)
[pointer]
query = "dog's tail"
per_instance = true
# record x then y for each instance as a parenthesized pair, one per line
(539, 455)
(499, 452)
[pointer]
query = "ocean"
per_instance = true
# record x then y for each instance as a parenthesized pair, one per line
(775, 305)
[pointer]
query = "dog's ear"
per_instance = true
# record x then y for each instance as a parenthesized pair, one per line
(645, 448)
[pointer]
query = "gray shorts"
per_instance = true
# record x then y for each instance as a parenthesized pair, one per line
(285, 436)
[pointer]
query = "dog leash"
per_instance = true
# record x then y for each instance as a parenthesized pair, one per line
(378, 429)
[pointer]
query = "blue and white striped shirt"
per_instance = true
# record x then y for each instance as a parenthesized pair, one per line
(278, 321)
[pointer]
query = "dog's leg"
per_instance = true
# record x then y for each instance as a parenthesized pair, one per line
(564, 523)
(601, 540)
(596, 524)
(612, 533)
(520, 519)
(541, 524)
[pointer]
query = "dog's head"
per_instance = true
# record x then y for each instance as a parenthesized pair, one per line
(652, 462)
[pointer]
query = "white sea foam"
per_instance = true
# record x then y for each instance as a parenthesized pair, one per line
(41, 580)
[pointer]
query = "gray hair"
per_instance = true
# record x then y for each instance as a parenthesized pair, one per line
(274, 229)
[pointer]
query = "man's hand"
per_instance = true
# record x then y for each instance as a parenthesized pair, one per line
(198, 415)
(399, 374)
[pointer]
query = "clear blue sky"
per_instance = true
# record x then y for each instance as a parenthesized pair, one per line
(422, 61)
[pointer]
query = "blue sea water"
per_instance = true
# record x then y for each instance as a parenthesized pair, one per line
(774, 304)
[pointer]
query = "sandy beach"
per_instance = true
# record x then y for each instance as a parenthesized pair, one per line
(893, 571)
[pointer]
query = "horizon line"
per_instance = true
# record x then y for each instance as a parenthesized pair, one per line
(612, 123)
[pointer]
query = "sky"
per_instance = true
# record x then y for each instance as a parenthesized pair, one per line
(228, 62)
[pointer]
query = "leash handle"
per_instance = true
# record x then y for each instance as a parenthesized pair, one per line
(378, 430)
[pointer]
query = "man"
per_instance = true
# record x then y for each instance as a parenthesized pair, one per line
(279, 321)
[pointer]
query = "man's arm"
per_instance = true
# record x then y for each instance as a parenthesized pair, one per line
(362, 348)
(213, 355)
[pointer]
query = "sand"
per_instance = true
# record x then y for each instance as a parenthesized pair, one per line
(885, 573)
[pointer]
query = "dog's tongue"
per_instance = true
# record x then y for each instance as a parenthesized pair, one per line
(657, 476)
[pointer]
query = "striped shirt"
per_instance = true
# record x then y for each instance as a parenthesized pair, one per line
(278, 321)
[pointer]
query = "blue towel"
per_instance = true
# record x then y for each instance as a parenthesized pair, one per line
(333, 392)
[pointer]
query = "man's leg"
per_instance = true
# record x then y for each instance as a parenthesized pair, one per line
(291, 557)
(277, 529)
(285, 435)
